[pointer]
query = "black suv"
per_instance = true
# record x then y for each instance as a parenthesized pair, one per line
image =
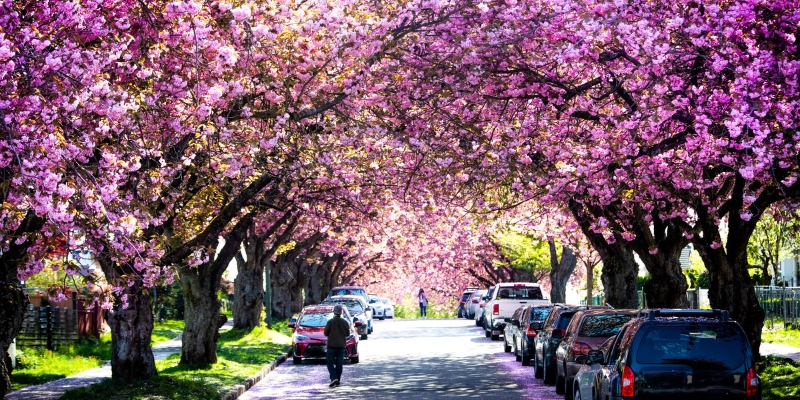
(530, 323)
(665, 354)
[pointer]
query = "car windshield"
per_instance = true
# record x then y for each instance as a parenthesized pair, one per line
(700, 346)
(345, 292)
(353, 305)
(603, 325)
(539, 314)
(385, 301)
(465, 296)
(520, 292)
(315, 320)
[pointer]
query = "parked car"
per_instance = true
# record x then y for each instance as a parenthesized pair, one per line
(473, 301)
(530, 323)
(682, 354)
(479, 312)
(511, 330)
(358, 309)
(376, 306)
(586, 332)
(506, 298)
(388, 308)
(309, 341)
(350, 291)
(548, 339)
(462, 312)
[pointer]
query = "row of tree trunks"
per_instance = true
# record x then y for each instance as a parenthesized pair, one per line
(289, 277)
(13, 299)
(560, 271)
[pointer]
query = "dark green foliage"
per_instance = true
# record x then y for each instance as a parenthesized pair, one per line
(168, 302)
(641, 280)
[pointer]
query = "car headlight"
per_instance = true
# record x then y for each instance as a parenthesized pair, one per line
(299, 337)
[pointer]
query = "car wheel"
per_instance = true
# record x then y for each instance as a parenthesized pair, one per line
(364, 337)
(354, 360)
(576, 395)
(568, 390)
(559, 384)
(488, 333)
(506, 346)
(538, 372)
(517, 356)
(549, 372)
(477, 322)
(296, 360)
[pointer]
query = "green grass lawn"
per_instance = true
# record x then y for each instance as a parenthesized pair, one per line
(45, 366)
(163, 331)
(780, 378)
(789, 337)
(240, 353)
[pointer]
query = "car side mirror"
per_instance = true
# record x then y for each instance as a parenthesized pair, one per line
(515, 323)
(595, 356)
(582, 359)
(292, 325)
(507, 319)
(485, 298)
(358, 324)
(355, 319)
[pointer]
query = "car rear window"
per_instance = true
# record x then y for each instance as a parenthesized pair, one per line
(345, 292)
(539, 314)
(520, 292)
(352, 305)
(700, 346)
(603, 325)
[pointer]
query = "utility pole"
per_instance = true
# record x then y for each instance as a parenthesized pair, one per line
(268, 290)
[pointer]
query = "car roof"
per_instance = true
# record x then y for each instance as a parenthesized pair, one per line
(318, 308)
(346, 297)
(348, 287)
(517, 283)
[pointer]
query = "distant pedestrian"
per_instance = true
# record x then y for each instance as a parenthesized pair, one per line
(336, 330)
(423, 304)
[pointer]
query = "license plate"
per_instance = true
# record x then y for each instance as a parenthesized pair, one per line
(495, 332)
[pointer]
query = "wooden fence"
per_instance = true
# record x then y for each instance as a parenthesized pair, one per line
(48, 327)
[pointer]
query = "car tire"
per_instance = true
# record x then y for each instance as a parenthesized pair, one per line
(549, 373)
(488, 333)
(538, 372)
(559, 384)
(354, 360)
(296, 360)
(517, 355)
(568, 389)
(364, 337)
(506, 346)
(477, 322)
(576, 394)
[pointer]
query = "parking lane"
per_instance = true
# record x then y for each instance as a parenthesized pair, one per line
(414, 358)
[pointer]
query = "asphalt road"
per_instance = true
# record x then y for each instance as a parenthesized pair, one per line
(425, 359)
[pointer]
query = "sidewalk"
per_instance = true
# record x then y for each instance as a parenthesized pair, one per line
(780, 350)
(53, 390)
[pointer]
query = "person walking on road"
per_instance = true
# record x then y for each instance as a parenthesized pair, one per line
(423, 304)
(336, 330)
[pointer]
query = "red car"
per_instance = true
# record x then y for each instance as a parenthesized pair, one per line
(309, 341)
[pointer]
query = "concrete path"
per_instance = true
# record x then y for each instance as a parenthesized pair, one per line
(53, 390)
(780, 350)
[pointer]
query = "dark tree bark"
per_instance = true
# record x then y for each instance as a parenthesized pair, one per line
(560, 271)
(289, 277)
(249, 282)
(619, 266)
(589, 282)
(13, 300)
(131, 328)
(667, 285)
(202, 308)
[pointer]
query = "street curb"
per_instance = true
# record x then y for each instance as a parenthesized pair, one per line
(239, 389)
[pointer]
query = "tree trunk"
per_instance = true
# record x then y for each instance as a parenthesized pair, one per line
(202, 316)
(589, 282)
(287, 288)
(560, 271)
(248, 293)
(619, 267)
(131, 330)
(13, 300)
(667, 285)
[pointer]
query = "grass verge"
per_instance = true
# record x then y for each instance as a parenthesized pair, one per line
(38, 366)
(240, 353)
(788, 336)
(780, 378)
(163, 331)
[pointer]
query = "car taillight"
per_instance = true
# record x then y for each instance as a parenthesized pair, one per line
(579, 348)
(752, 382)
(627, 382)
(475, 301)
(482, 305)
(496, 309)
(530, 332)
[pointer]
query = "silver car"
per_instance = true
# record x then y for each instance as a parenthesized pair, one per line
(358, 309)
(473, 302)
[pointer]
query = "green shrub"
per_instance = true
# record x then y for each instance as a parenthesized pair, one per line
(26, 360)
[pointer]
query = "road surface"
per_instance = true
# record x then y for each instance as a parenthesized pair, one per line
(426, 359)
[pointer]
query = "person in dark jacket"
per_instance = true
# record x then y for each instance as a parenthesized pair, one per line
(336, 330)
